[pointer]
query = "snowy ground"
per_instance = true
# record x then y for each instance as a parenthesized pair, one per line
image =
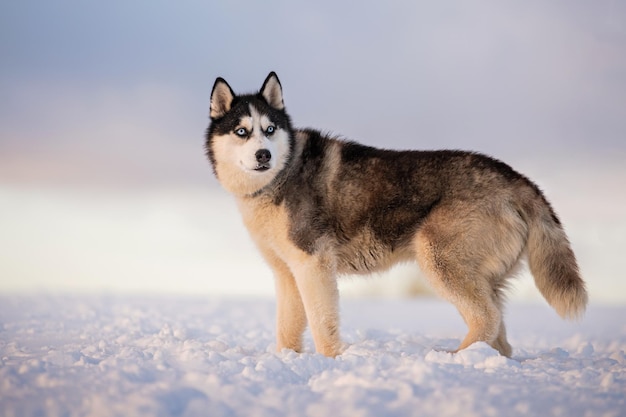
(182, 356)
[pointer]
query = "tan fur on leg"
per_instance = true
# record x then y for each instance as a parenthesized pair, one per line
(318, 289)
(452, 254)
(290, 315)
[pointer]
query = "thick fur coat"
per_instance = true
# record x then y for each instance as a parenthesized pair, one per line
(318, 207)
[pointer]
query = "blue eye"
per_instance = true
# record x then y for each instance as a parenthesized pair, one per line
(242, 132)
(270, 130)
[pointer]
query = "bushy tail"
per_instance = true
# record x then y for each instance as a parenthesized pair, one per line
(553, 264)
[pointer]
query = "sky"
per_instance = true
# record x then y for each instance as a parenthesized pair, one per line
(105, 105)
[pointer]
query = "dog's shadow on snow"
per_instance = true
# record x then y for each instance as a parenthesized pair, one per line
(372, 342)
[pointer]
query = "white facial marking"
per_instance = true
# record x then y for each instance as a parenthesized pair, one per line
(237, 166)
(255, 141)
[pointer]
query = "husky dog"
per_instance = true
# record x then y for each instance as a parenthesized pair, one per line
(318, 207)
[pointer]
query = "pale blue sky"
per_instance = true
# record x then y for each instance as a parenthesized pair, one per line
(118, 91)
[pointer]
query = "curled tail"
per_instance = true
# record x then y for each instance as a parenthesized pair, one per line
(553, 264)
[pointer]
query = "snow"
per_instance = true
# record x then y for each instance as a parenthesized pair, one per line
(179, 352)
(105, 355)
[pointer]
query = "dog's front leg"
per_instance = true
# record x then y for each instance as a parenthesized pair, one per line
(319, 293)
(290, 315)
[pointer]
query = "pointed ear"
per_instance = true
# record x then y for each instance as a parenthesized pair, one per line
(221, 98)
(272, 92)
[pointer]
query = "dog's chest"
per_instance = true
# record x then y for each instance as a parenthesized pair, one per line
(267, 223)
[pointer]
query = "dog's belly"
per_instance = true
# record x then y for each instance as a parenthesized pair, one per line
(365, 254)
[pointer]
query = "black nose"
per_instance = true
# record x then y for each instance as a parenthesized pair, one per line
(263, 156)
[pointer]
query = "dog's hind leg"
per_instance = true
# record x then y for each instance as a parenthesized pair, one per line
(481, 315)
(454, 263)
(501, 344)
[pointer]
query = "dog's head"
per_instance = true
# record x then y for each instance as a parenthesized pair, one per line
(250, 139)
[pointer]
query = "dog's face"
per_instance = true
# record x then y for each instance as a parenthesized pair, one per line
(250, 139)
